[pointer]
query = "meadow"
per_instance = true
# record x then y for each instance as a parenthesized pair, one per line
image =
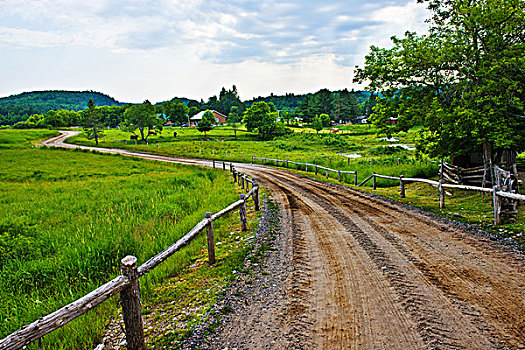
(67, 218)
(372, 154)
(352, 150)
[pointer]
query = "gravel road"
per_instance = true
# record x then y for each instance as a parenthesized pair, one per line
(367, 274)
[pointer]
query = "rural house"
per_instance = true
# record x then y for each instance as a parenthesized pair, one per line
(220, 119)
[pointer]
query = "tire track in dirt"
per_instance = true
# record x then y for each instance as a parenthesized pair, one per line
(452, 311)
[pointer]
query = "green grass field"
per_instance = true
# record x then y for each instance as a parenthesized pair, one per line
(67, 218)
(334, 151)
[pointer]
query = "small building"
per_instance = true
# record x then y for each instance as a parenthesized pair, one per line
(220, 119)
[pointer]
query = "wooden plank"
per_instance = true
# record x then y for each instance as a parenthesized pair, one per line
(210, 240)
(157, 259)
(365, 180)
(387, 177)
(226, 210)
(414, 179)
(64, 315)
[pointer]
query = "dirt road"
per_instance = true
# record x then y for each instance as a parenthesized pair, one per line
(367, 274)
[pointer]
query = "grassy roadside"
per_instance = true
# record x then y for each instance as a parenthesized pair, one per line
(68, 217)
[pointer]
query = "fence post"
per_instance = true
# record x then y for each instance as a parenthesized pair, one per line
(256, 196)
(296, 166)
(247, 185)
(223, 166)
(242, 182)
(374, 180)
(398, 161)
(326, 173)
(252, 159)
(242, 155)
(231, 167)
(401, 186)
(355, 178)
(339, 175)
(496, 201)
(130, 301)
(316, 170)
(441, 195)
(347, 160)
(330, 160)
(242, 213)
(371, 161)
(209, 239)
(234, 175)
(213, 164)
(306, 167)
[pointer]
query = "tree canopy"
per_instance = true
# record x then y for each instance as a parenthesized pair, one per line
(141, 117)
(206, 122)
(464, 81)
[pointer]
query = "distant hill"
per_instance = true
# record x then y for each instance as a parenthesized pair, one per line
(43, 101)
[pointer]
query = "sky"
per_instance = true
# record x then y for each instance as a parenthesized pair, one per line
(159, 49)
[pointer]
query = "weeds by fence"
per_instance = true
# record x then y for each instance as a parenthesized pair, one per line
(127, 284)
(497, 194)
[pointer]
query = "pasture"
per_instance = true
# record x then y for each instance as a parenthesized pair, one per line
(67, 218)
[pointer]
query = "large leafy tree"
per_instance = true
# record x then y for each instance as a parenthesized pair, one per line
(176, 111)
(206, 122)
(464, 81)
(141, 117)
(261, 117)
(92, 121)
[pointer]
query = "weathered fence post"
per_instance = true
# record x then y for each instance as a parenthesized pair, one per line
(374, 180)
(256, 196)
(371, 161)
(252, 159)
(496, 202)
(247, 185)
(296, 166)
(306, 167)
(339, 175)
(209, 239)
(242, 182)
(226, 153)
(213, 164)
(223, 166)
(316, 170)
(234, 175)
(242, 155)
(441, 195)
(398, 161)
(231, 167)
(130, 301)
(242, 213)
(330, 160)
(355, 178)
(347, 160)
(401, 186)
(326, 173)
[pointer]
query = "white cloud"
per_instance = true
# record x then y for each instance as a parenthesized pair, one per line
(157, 49)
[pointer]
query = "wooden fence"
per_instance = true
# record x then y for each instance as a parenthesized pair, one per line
(497, 193)
(127, 284)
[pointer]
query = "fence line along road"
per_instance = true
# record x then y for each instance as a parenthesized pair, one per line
(496, 192)
(127, 284)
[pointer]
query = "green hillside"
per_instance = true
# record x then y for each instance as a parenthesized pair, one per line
(19, 107)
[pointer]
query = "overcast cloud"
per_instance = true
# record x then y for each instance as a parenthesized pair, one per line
(134, 50)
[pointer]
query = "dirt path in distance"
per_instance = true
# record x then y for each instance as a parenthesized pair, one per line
(368, 274)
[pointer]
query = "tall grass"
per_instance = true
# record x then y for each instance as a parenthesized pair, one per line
(68, 218)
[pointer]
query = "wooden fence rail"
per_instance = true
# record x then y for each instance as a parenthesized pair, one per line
(127, 283)
(496, 192)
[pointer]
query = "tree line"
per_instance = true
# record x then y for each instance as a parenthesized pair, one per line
(463, 82)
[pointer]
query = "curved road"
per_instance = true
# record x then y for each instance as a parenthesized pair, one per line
(367, 274)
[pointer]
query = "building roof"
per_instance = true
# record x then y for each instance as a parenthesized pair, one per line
(199, 115)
